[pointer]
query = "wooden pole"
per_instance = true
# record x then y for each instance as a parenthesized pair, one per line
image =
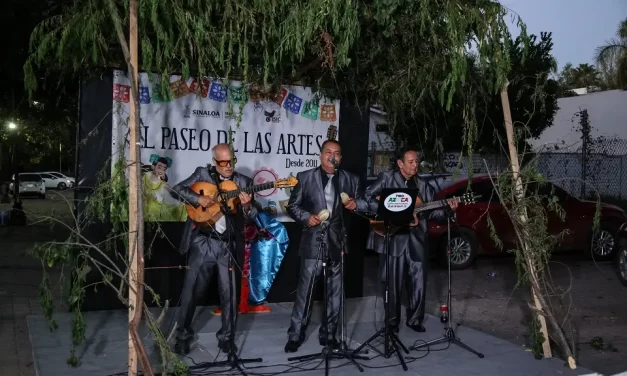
(133, 182)
(515, 165)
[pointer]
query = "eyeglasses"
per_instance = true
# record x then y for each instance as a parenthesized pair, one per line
(224, 163)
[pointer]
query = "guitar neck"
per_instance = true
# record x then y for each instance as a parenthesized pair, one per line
(251, 189)
(431, 206)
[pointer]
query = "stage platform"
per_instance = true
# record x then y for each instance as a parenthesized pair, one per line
(264, 335)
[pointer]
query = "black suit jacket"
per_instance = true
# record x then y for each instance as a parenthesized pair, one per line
(186, 195)
(415, 239)
(307, 198)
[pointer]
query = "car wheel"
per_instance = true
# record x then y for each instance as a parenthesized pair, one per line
(42, 196)
(604, 242)
(464, 248)
(621, 261)
(62, 186)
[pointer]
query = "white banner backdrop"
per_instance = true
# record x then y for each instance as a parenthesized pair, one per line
(275, 139)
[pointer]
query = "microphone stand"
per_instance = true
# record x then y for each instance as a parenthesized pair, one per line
(327, 352)
(344, 352)
(449, 333)
(233, 359)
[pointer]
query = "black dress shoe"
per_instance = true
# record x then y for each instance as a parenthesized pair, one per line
(181, 347)
(416, 327)
(225, 347)
(292, 346)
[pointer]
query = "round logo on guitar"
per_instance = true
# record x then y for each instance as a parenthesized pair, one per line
(265, 175)
(397, 202)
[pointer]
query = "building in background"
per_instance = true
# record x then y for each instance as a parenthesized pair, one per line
(560, 155)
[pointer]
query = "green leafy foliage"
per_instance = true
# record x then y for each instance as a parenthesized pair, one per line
(107, 203)
(533, 97)
(401, 54)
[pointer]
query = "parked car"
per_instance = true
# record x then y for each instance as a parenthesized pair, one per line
(30, 185)
(68, 181)
(53, 181)
(470, 235)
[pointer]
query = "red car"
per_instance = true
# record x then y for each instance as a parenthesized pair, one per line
(470, 235)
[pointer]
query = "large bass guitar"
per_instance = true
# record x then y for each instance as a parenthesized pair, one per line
(378, 227)
(210, 215)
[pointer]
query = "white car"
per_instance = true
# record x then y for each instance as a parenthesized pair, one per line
(56, 180)
(30, 185)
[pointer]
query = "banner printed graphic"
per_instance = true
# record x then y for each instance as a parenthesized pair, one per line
(279, 135)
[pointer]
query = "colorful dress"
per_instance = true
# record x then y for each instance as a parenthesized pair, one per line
(159, 205)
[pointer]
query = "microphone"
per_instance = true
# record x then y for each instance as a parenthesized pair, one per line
(335, 163)
(425, 164)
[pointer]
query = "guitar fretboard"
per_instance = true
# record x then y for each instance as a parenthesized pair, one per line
(432, 205)
(251, 189)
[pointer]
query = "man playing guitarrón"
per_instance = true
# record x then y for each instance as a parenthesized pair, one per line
(210, 248)
(318, 189)
(409, 246)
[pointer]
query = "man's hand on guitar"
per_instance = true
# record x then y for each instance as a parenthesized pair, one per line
(206, 201)
(245, 199)
(453, 204)
(313, 220)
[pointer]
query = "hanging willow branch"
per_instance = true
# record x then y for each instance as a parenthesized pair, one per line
(404, 55)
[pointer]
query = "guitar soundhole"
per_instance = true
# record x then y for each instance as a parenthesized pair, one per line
(202, 193)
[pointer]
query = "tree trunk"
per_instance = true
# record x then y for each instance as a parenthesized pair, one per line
(133, 197)
(136, 348)
(540, 304)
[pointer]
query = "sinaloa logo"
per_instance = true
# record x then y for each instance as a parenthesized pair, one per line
(206, 113)
(187, 113)
(397, 202)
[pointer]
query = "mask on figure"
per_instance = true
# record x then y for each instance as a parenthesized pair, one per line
(159, 169)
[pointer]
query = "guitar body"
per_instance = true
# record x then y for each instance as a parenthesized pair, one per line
(210, 215)
(378, 227)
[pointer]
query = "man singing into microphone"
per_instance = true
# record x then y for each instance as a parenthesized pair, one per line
(210, 248)
(408, 249)
(318, 189)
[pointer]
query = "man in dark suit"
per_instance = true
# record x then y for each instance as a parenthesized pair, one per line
(318, 189)
(210, 248)
(409, 247)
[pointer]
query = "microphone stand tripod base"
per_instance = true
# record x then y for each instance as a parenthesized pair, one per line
(392, 344)
(235, 362)
(450, 338)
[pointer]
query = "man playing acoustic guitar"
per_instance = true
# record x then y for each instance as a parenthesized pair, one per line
(210, 247)
(408, 248)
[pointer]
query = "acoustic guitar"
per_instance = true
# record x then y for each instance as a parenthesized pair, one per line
(378, 227)
(210, 215)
